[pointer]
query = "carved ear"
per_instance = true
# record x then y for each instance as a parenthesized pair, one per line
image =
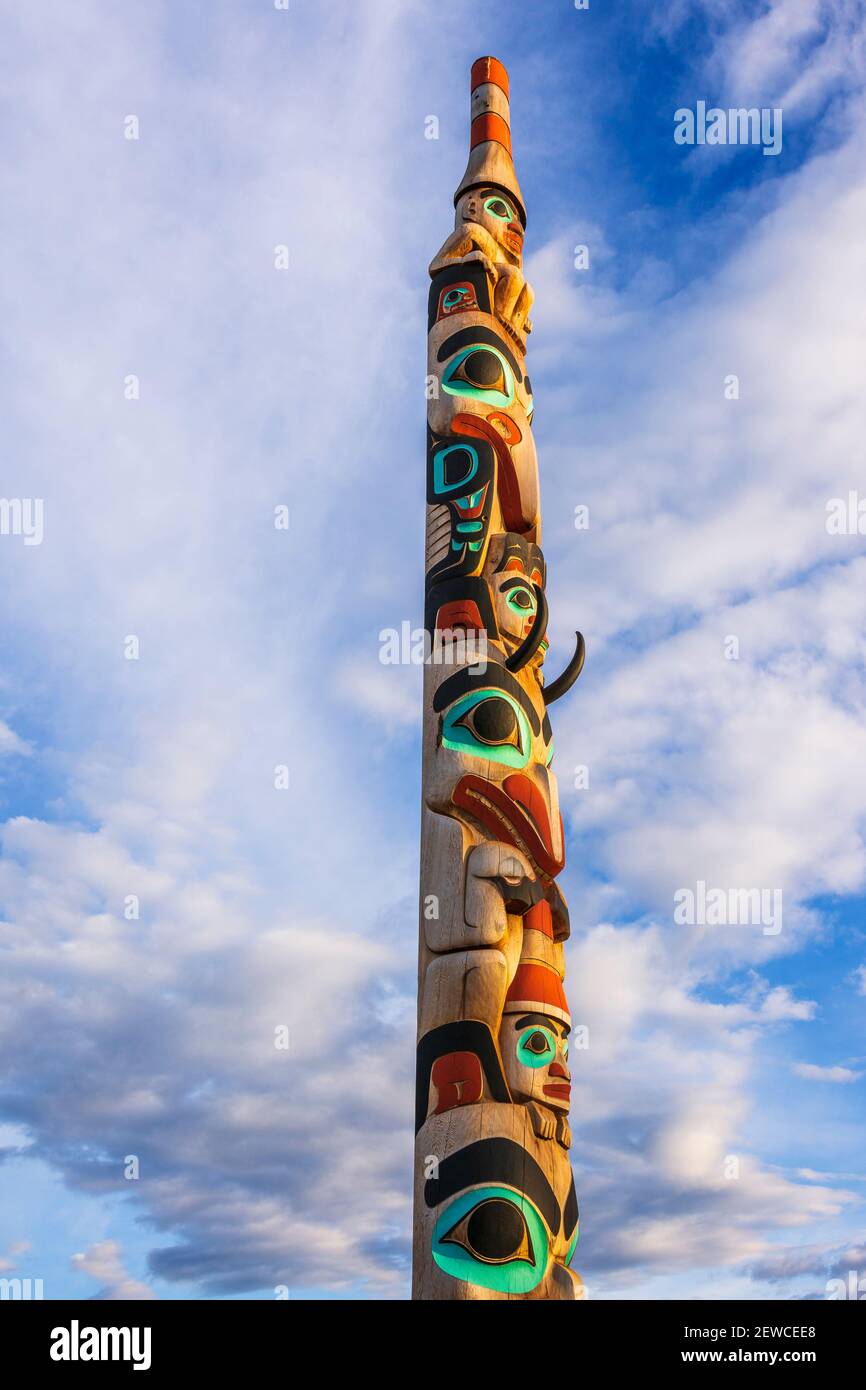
(563, 683)
(466, 1040)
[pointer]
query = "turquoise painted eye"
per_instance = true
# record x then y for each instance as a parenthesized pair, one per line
(498, 207)
(481, 372)
(492, 1237)
(522, 601)
(536, 1047)
(488, 724)
(565, 1049)
(454, 297)
(572, 1245)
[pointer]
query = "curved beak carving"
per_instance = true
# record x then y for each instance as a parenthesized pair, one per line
(564, 682)
(532, 641)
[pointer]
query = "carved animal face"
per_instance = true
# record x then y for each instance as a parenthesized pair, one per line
(503, 1219)
(457, 298)
(484, 392)
(479, 369)
(489, 763)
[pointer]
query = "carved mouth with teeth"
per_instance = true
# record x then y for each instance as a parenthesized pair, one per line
(514, 812)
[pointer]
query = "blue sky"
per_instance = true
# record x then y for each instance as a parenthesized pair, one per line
(262, 908)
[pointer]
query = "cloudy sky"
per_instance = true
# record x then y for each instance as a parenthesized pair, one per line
(719, 1108)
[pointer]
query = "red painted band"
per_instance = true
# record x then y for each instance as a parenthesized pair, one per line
(489, 70)
(537, 984)
(539, 918)
(489, 127)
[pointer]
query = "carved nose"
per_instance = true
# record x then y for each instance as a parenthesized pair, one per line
(557, 1069)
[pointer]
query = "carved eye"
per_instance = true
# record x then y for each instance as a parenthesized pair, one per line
(536, 1047)
(452, 298)
(492, 1237)
(488, 724)
(482, 369)
(494, 1232)
(565, 1049)
(481, 372)
(522, 601)
(493, 721)
(499, 208)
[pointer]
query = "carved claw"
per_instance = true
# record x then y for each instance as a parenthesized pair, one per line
(543, 1123)
(563, 1131)
(482, 259)
(523, 654)
(564, 682)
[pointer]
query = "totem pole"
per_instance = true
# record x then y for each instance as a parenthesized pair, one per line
(495, 1206)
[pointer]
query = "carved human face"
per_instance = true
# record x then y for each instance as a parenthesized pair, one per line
(534, 1051)
(497, 213)
(516, 605)
(515, 573)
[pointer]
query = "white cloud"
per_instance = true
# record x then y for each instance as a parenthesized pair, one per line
(707, 522)
(154, 1034)
(790, 53)
(390, 694)
(840, 1076)
(662, 1111)
(103, 1262)
(10, 742)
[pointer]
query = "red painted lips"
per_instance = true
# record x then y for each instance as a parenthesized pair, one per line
(561, 1091)
(514, 812)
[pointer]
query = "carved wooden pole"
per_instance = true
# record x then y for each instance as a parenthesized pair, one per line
(495, 1206)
